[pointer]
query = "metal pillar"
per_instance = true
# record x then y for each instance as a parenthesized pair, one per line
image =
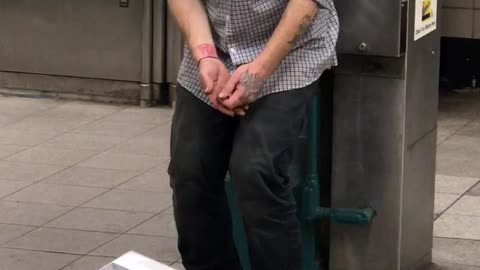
(146, 93)
(384, 137)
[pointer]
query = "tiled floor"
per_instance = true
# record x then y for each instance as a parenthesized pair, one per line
(457, 227)
(81, 183)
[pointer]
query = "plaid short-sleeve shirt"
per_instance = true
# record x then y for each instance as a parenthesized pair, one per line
(241, 30)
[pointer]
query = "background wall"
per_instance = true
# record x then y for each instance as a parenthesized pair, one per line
(461, 18)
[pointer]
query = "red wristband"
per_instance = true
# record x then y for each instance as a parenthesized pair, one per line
(206, 57)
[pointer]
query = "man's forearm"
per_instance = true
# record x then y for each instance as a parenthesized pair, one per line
(193, 22)
(296, 20)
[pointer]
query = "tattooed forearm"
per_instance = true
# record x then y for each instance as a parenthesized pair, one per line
(304, 25)
(252, 84)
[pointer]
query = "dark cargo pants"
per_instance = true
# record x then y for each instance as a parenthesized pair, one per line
(257, 150)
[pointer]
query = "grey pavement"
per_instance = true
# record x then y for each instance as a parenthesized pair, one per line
(82, 183)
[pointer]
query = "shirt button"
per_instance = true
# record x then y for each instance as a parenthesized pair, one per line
(232, 50)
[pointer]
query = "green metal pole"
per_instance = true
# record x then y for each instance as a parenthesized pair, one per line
(310, 201)
(239, 236)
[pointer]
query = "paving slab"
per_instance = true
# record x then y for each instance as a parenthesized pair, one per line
(157, 182)
(162, 249)
(443, 201)
(472, 130)
(130, 200)
(7, 150)
(56, 194)
(142, 115)
(447, 165)
(20, 137)
(145, 145)
(162, 132)
(454, 184)
(53, 124)
(8, 118)
(100, 220)
(454, 123)
(13, 259)
(54, 156)
(89, 263)
(27, 106)
(475, 191)
(115, 129)
(30, 172)
(59, 240)
(90, 177)
(458, 226)
(117, 161)
(161, 225)
(456, 251)
(82, 109)
(33, 214)
(459, 150)
(451, 266)
(10, 187)
(10, 232)
(84, 142)
(467, 205)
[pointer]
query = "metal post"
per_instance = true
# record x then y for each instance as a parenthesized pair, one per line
(384, 137)
(311, 190)
(147, 39)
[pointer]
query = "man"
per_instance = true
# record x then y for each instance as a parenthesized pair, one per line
(249, 70)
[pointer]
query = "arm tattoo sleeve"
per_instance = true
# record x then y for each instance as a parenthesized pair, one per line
(304, 25)
(252, 84)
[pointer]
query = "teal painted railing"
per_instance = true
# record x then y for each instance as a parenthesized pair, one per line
(307, 193)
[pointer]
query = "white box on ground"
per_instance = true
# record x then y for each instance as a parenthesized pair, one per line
(135, 261)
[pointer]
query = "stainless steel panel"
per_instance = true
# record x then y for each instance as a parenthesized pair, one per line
(159, 40)
(146, 95)
(29, 84)
(376, 23)
(89, 38)
(423, 69)
(421, 112)
(367, 169)
(418, 201)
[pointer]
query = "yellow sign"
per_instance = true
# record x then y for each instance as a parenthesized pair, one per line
(427, 10)
(425, 17)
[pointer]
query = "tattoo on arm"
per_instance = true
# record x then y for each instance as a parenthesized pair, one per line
(206, 51)
(253, 84)
(304, 25)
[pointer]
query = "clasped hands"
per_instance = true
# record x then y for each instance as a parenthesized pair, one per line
(232, 95)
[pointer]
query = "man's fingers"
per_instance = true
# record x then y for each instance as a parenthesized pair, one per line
(208, 84)
(222, 80)
(224, 110)
(210, 88)
(219, 107)
(230, 85)
(235, 101)
(240, 112)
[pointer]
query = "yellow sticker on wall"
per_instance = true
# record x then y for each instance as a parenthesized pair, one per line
(425, 17)
(427, 10)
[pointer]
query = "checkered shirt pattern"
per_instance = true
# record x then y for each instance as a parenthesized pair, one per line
(241, 30)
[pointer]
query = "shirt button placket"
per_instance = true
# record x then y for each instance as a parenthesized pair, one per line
(228, 29)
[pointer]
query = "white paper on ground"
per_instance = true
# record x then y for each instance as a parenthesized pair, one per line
(135, 261)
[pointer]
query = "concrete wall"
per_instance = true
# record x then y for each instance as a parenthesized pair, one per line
(461, 18)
